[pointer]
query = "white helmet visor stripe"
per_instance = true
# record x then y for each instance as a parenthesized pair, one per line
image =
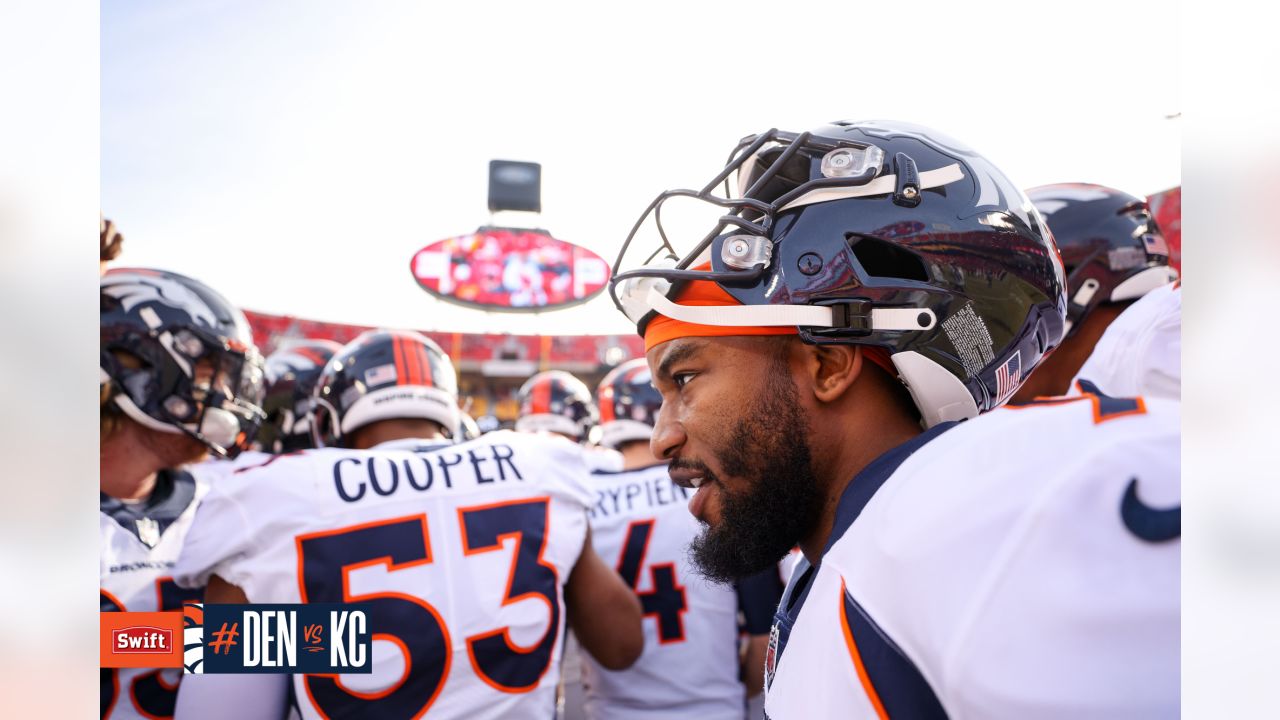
(785, 315)
(883, 185)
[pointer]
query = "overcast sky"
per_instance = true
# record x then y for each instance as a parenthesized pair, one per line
(295, 155)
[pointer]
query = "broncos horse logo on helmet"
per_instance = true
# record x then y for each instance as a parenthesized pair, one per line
(882, 234)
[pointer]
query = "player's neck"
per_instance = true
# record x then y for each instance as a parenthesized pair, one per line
(636, 455)
(126, 469)
(849, 443)
(382, 431)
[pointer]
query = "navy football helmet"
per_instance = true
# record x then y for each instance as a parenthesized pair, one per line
(555, 401)
(292, 372)
(876, 233)
(180, 358)
(629, 404)
(1111, 247)
(384, 374)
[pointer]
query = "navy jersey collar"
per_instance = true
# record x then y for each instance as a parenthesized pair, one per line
(867, 482)
(860, 491)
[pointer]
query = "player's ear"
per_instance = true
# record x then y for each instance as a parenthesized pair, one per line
(833, 369)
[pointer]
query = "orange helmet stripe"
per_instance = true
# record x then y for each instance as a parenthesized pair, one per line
(541, 398)
(606, 404)
(426, 364)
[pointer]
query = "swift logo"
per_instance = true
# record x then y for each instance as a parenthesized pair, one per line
(1146, 522)
(141, 640)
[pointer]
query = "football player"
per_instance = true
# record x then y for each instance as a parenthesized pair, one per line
(180, 377)
(292, 372)
(290, 375)
(1113, 254)
(473, 554)
(824, 354)
(558, 403)
(1141, 351)
(640, 523)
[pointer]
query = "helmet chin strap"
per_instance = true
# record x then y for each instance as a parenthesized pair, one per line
(125, 403)
(218, 427)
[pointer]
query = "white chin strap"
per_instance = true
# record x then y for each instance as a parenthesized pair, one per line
(135, 413)
(785, 315)
(939, 395)
(883, 185)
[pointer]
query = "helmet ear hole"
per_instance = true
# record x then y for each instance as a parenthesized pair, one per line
(885, 259)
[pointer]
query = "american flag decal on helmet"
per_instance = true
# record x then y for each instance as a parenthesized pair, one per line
(1008, 377)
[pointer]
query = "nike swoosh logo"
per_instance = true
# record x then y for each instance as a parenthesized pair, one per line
(1146, 522)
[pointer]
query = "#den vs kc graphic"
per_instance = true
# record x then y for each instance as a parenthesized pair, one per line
(253, 638)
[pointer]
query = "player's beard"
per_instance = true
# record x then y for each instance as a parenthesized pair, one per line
(768, 449)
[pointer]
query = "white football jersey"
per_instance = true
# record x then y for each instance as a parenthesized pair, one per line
(463, 549)
(139, 544)
(210, 470)
(787, 565)
(603, 459)
(641, 525)
(1023, 564)
(1140, 354)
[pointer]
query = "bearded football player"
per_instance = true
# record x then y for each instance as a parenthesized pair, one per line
(180, 379)
(833, 353)
(640, 523)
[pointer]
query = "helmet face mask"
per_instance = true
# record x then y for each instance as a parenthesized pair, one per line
(180, 358)
(874, 233)
(382, 375)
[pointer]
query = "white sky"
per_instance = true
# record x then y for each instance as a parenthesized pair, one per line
(294, 155)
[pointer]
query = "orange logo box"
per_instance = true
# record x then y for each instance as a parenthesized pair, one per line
(140, 639)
